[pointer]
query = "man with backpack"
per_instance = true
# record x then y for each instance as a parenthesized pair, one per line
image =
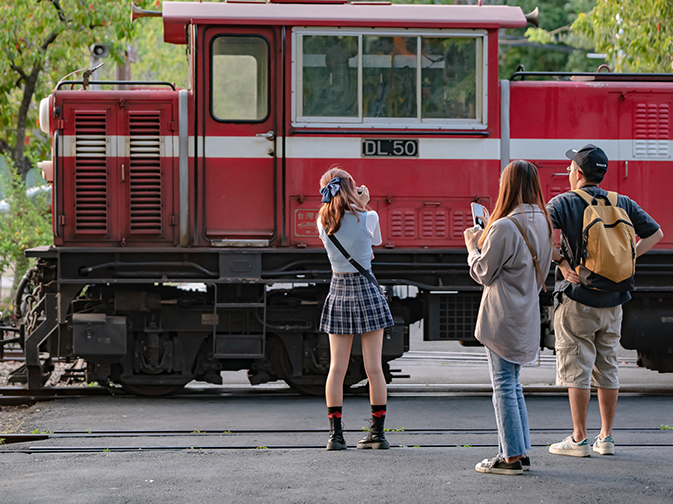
(593, 279)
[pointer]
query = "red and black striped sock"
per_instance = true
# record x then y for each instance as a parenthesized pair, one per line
(334, 412)
(379, 411)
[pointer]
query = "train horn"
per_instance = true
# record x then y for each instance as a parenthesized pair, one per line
(531, 17)
(137, 12)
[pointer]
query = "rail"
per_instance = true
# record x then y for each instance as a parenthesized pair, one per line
(118, 83)
(597, 76)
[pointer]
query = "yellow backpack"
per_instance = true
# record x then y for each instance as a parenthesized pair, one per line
(607, 259)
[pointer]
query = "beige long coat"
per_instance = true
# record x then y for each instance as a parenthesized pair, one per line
(509, 314)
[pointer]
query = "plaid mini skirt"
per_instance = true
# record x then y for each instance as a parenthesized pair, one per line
(354, 306)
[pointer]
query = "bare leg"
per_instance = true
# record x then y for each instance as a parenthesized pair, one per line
(340, 352)
(607, 402)
(579, 408)
(372, 346)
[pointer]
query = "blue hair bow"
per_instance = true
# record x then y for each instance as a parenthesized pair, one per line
(330, 189)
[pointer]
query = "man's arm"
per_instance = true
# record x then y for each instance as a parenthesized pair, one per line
(646, 244)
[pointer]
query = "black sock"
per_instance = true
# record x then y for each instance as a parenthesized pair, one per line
(379, 411)
(334, 411)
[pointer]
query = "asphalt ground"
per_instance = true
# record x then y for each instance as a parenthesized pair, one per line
(241, 444)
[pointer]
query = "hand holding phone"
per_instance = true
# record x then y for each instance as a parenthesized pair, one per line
(479, 215)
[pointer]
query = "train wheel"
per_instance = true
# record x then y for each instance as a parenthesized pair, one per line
(310, 385)
(152, 390)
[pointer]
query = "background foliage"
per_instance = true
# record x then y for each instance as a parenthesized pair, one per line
(636, 35)
(25, 222)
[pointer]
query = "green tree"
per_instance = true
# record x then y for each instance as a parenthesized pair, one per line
(25, 222)
(554, 46)
(636, 35)
(40, 42)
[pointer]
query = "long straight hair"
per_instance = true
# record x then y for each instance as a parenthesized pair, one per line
(519, 184)
(346, 199)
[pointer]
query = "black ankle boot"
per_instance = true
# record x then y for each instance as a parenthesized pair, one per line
(375, 438)
(336, 436)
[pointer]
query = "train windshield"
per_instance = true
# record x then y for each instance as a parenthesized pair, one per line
(390, 79)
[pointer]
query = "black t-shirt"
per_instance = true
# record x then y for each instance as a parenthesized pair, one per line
(567, 213)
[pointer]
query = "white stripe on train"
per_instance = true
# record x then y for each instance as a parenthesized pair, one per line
(334, 147)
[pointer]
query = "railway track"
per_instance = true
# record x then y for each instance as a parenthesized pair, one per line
(12, 396)
(103, 446)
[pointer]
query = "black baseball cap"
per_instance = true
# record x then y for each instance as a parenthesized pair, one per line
(592, 161)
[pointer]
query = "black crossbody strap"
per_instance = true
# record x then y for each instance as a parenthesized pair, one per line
(356, 264)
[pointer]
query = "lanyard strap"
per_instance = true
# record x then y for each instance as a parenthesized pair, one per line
(356, 264)
(538, 271)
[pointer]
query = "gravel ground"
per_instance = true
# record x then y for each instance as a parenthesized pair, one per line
(13, 417)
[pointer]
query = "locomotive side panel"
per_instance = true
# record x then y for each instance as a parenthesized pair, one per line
(115, 180)
(630, 121)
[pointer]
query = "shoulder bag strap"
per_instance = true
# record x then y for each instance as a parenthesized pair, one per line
(538, 272)
(356, 264)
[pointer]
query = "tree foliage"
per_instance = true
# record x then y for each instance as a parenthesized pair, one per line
(40, 42)
(636, 35)
(25, 222)
(554, 46)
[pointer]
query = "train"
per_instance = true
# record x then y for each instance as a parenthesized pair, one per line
(184, 220)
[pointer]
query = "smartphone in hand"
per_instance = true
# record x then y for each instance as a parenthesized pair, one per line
(479, 215)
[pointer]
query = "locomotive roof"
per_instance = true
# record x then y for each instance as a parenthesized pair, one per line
(177, 15)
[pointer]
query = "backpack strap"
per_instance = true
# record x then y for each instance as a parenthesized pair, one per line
(588, 198)
(538, 271)
(612, 197)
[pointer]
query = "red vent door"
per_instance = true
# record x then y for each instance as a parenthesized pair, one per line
(87, 157)
(146, 173)
(646, 154)
(238, 167)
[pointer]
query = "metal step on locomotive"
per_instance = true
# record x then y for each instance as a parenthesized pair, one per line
(184, 227)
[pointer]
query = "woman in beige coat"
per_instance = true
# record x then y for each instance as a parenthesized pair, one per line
(502, 258)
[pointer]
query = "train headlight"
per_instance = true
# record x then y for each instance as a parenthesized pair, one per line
(45, 115)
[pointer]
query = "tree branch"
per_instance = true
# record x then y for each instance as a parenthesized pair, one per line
(59, 9)
(5, 148)
(19, 70)
(49, 40)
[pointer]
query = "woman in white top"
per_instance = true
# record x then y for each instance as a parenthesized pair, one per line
(508, 324)
(354, 305)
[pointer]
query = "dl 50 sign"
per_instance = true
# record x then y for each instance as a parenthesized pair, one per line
(389, 148)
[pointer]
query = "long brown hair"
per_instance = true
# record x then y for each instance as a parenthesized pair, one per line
(519, 184)
(346, 199)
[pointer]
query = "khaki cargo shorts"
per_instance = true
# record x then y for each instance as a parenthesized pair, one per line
(587, 340)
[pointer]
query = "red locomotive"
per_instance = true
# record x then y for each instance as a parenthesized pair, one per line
(217, 185)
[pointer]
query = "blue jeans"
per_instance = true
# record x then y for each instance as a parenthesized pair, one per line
(510, 406)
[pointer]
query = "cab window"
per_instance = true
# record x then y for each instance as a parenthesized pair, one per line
(385, 78)
(240, 78)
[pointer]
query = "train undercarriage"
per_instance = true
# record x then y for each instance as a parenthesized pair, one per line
(154, 321)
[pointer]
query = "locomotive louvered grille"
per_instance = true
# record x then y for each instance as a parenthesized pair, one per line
(434, 223)
(651, 130)
(90, 173)
(403, 223)
(458, 224)
(145, 172)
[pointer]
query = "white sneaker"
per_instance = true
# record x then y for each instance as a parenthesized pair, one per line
(605, 446)
(571, 448)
